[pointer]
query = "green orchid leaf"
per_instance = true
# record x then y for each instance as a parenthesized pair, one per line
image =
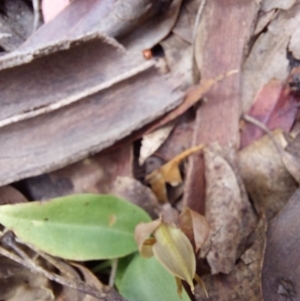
(122, 266)
(145, 279)
(77, 227)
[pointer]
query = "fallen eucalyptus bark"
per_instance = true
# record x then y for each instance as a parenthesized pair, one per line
(60, 108)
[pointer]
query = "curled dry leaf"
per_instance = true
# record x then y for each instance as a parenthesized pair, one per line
(227, 210)
(267, 180)
(169, 173)
(194, 226)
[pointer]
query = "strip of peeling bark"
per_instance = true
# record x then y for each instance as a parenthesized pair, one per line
(223, 33)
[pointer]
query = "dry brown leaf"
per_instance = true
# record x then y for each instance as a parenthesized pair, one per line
(268, 182)
(228, 211)
(169, 173)
(243, 283)
(194, 226)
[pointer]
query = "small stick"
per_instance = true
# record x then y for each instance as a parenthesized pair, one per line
(26, 261)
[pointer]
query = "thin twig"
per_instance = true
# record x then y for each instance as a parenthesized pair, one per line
(26, 261)
(264, 128)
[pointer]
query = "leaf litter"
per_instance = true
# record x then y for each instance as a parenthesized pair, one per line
(240, 188)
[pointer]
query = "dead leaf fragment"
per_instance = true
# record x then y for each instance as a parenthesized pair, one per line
(228, 212)
(168, 173)
(194, 226)
(266, 178)
(274, 106)
(152, 141)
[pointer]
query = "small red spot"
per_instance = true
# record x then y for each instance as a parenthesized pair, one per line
(147, 54)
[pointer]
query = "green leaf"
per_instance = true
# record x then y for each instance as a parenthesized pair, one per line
(122, 266)
(77, 227)
(145, 279)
